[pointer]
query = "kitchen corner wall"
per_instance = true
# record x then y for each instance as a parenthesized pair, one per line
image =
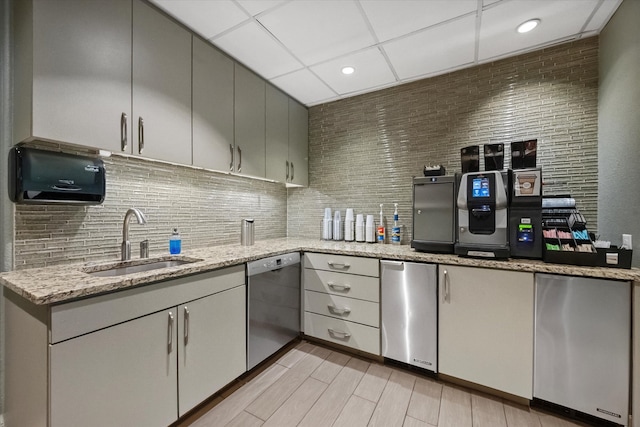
(205, 206)
(365, 150)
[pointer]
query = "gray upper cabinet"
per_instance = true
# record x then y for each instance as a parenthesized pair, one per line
(298, 143)
(161, 86)
(213, 144)
(277, 136)
(249, 123)
(73, 72)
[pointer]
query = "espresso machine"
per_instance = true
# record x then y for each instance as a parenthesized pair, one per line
(525, 214)
(483, 214)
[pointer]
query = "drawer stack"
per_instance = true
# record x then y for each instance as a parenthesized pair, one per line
(342, 300)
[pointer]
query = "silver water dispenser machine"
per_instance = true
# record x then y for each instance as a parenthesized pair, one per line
(483, 214)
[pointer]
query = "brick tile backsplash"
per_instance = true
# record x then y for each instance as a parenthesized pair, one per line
(205, 206)
(365, 150)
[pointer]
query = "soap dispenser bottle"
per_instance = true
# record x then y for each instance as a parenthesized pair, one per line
(381, 234)
(395, 231)
(175, 243)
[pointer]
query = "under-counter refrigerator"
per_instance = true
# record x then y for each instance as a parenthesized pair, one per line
(582, 345)
(409, 300)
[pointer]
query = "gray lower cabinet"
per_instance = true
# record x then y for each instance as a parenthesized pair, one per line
(72, 77)
(249, 123)
(142, 356)
(213, 145)
(161, 86)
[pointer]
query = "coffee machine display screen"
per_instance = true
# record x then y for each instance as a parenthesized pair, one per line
(480, 187)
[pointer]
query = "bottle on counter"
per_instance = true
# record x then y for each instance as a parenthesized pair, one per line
(395, 231)
(381, 233)
(175, 242)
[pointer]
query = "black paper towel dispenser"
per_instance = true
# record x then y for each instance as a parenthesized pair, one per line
(46, 177)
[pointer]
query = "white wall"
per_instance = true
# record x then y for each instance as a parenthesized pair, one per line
(619, 127)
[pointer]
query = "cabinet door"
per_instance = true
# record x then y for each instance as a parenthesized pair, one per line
(122, 375)
(298, 143)
(249, 122)
(161, 86)
(212, 339)
(81, 75)
(486, 327)
(212, 107)
(277, 136)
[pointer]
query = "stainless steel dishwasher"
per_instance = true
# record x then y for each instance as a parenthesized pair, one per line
(273, 305)
(582, 346)
(409, 300)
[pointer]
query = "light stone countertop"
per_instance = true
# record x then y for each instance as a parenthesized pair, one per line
(57, 284)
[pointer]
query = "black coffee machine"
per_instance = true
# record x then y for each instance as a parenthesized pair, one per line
(525, 214)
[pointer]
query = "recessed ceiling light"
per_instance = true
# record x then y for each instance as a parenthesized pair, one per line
(348, 70)
(527, 26)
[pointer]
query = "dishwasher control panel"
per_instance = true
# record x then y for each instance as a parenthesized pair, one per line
(272, 263)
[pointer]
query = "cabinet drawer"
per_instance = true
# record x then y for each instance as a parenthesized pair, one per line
(349, 285)
(354, 310)
(83, 316)
(354, 335)
(343, 264)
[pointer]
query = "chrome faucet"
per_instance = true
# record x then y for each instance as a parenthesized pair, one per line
(126, 245)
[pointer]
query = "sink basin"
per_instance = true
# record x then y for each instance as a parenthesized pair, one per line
(121, 270)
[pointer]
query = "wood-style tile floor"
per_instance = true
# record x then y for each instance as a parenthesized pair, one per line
(312, 385)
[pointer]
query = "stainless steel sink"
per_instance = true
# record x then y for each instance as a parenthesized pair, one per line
(121, 270)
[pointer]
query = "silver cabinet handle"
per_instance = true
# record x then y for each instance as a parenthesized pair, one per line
(231, 156)
(239, 160)
(338, 287)
(140, 135)
(123, 132)
(293, 171)
(170, 341)
(447, 296)
(340, 311)
(186, 325)
(339, 334)
(287, 163)
(343, 265)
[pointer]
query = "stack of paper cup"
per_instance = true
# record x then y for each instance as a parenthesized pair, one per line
(349, 229)
(327, 225)
(360, 228)
(337, 226)
(370, 230)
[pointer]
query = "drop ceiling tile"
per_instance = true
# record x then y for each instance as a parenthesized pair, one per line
(304, 86)
(394, 18)
(560, 20)
(206, 17)
(254, 7)
(602, 15)
(316, 30)
(434, 50)
(255, 48)
(371, 71)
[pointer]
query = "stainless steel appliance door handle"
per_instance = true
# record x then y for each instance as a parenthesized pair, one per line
(339, 334)
(340, 311)
(293, 171)
(343, 265)
(339, 287)
(123, 131)
(140, 135)
(186, 325)
(231, 156)
(287, 164)
(170, 340)
(446, 297)
(239, 160)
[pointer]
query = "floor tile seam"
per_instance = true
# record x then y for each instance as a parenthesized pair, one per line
(305, 414)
